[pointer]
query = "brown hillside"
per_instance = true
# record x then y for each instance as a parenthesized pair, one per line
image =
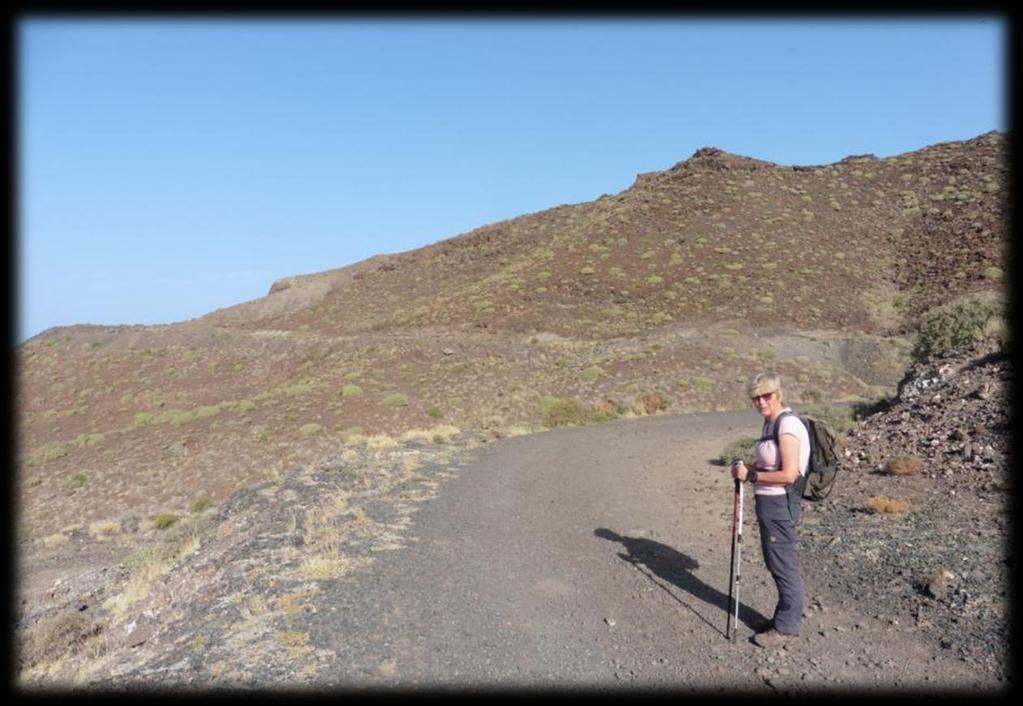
(711, 234)
(665, 296)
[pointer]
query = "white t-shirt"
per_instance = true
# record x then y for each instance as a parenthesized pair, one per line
(767, 451)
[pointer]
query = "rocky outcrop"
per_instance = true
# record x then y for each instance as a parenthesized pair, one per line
(942, 566)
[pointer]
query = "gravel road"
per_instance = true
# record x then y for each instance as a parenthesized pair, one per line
(598, 557)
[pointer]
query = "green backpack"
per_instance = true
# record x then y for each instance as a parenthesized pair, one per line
(819, 480)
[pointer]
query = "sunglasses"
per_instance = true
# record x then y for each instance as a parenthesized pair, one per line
(765, 397)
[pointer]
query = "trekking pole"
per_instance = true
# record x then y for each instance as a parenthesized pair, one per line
(732, 625)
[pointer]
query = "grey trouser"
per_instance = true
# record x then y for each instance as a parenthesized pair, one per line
(780, 545)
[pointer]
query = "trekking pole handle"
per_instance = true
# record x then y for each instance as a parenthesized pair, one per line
(736, 464)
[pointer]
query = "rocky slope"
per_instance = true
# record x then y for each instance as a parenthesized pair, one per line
(942, 565)
(658, 290)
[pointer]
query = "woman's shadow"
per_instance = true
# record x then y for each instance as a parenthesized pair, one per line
(660, 560)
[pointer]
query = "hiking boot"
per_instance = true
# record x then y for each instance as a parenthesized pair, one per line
(771, 638)
(763, 624)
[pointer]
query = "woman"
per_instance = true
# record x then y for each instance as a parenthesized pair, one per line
(776, 469)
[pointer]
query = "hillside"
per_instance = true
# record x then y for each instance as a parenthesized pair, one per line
(431, 565)
(661, 298)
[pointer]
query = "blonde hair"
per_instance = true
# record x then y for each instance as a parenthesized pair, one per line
(765, 382)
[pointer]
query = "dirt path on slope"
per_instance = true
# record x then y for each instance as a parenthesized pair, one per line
(598, 557)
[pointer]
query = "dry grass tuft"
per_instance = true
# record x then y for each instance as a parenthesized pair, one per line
(438, 435)
(880, 504)
(904, 466)
(102, 531)
(56, 539)
(565, 412)
(47, 645)
(650, 403)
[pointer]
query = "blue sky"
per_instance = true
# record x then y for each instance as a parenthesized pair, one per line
(168, 167)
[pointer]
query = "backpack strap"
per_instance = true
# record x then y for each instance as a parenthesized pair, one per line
(794, 490)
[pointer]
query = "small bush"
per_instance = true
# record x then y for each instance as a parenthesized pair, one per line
(650, 402)
(609, 409)
(434, 412)
(143, 419)
(701, 383)
(77, 480)
(56, 637)
(395, 400)
(310, 429)
(594, 372)
(206, 411)
(140, 558)
(199, 504)
(56, 539)
(84, 440)
(351, 390)
(956, 324)
(565, 412)
(102, 531)
(904, 466)
(841, 418)
(51, 452)
(879, 504)
(179, 417)
(743, 447)
(164, 520)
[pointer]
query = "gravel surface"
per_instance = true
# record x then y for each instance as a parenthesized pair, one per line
(942, 567)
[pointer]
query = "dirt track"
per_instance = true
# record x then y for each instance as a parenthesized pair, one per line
(595, 557)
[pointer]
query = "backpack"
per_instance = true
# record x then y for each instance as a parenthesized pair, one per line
(819, 480)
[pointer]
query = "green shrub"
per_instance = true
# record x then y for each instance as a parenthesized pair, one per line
(564, 412)
(435, 412)
(701, 383)
(310, 429)
(351, 390)
(300, 388)
(51, 452)
(993, 273)
(206, 411)
(164, 520)
(592, 373)
(140, 558)
(83, 440)
(77, 480)
(179, 417)
(841, 418)
(143, 419)
(199, 504)
(395, 400)
(744, 448)
(956, 324)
